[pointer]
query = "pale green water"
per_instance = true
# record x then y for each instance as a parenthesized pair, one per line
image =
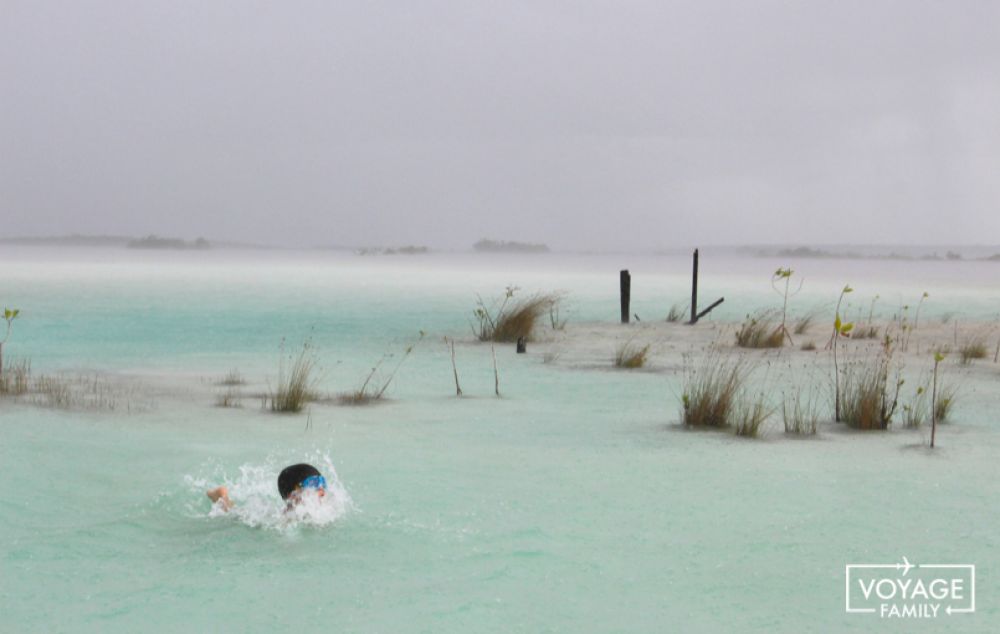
(572, 504)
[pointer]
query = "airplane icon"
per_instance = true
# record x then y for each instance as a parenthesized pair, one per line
(905, 566)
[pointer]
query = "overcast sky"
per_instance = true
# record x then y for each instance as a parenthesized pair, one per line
(578, 124)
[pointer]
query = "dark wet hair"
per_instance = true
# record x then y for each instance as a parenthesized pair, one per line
(291, 477)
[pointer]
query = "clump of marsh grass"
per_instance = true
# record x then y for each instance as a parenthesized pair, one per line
(713, 391)
(555, 320)
(676, 313)
(16, 377)
(296, 382)
(54, 392)
(232, 378)
(972, 350)
(631, 355)
(63, 391)
(865, 332)
(87, 392)
(510, 319)
(802, 324)
(800, 413)
(945, 400)
(370, 391)
(759, 331)
(749, 416)
(917, 410)
(229, 398)
(868, 398)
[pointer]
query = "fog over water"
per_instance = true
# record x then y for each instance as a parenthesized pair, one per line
(604, 125)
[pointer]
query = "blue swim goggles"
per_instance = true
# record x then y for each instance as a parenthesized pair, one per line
(314, 482)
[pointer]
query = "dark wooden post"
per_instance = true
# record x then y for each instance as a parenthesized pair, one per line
(626, 291)
(694, 289)
(522, 345)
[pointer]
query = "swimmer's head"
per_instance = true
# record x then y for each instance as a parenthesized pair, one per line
(300, 476)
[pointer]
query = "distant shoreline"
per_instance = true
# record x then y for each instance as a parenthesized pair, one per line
(901, 253)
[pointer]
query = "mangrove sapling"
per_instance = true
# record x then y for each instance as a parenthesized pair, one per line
(938, 358)
(392, 375)
(368, 391)
(9, 315)
(454, 368)
(496, 371)
(776, 279)
(840, 329)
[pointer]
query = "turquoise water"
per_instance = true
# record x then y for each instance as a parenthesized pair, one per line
(572, 504)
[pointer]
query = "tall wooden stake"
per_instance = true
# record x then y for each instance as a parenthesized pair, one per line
(625, 283)
(694, 289)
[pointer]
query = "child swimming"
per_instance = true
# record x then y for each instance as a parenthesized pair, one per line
(293, 481)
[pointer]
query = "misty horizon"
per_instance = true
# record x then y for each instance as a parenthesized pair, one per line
(597, 127)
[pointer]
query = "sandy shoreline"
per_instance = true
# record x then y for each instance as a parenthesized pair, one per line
(675, 349)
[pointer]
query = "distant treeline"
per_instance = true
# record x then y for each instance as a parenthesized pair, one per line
(156, 242)
(809, 252)
(503, 246)
(407, 250)
(73, 240)
(77, 240)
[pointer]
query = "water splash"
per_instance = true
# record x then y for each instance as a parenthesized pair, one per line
(254, 493)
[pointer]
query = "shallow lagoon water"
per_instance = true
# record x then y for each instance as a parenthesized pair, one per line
(574, 503)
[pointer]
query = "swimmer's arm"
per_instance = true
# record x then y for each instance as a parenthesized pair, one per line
(220, 495)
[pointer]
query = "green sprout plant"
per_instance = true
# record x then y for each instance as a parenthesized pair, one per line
(909, 328)
(871, 310)
(9, 315)
(784, 275)
(840, 329)
(916, 315)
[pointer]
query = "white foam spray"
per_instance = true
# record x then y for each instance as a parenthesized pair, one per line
(254, 493)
